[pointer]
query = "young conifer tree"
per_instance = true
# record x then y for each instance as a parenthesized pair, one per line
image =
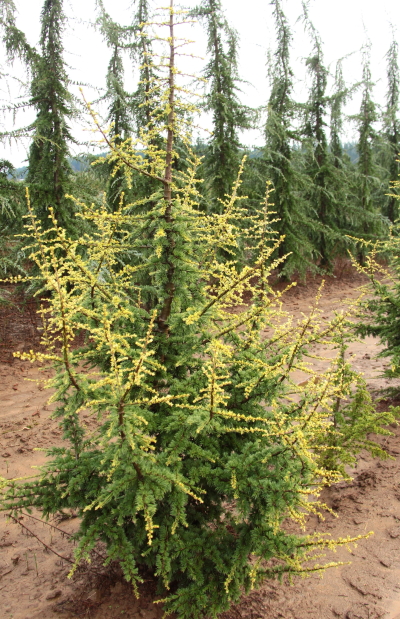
(350, 216)
(118, 116)
(143, 54)
(203, 445)
(392, 126)
(119, 103)
(352, 219)
(229, 115)
(293, 222)
(147, 93)
(12, 210)
(319, 164)
(49, 169)
(381, 318)
(12, 207)
(338, 100)
(12, 200)
(367, 134)
(367, 180)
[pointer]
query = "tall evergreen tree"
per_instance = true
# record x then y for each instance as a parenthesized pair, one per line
(293, 222)
(367, 134)
(119, 104)
(118, 115)
(276, 162)
(368, 184)
(319, 164)
(228, 113)
(49, 170)
(144, 96)
(147, 93)
(204, 446)
(338, 101)
(392, 125)
(353, 220)
(349, 217)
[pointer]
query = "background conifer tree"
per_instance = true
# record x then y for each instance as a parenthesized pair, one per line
(278, 162)
(338, 100)
(367, 135)
(368, 186)
(49, 170)
(392, 127)
(147, 93)
(12, 207)
(119, 102)
(118, 116)
(381, 317)
(142, 52)
(204, 445)
(349, 215)
(318, 160)
(229, 115)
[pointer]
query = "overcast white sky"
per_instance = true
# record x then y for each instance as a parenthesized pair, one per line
(344, 26)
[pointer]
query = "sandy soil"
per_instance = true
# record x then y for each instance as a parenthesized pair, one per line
(33, 580)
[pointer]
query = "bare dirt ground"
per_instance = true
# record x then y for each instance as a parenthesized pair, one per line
(33, 580)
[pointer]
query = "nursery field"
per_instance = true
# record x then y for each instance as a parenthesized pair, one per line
(35, 557)
(184, 433)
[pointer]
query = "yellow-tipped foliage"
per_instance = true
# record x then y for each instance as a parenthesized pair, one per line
(204, 444)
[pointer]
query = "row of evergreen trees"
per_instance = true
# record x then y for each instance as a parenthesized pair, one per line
(204, 445)
(321, 197)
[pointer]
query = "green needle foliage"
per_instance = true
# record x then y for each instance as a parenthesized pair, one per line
(382, 312)
(142, 52)
(354, 415)
(338, 100)
(12, 203)
(14, 39)
(367, 134)
(12, 208)
(118, 101)
(204, 445)
(278, 161)
(392, 127)
(146, 95)
(368, 172)
(49, 169)
(222, 157)
(349, 215)
(319, 164)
